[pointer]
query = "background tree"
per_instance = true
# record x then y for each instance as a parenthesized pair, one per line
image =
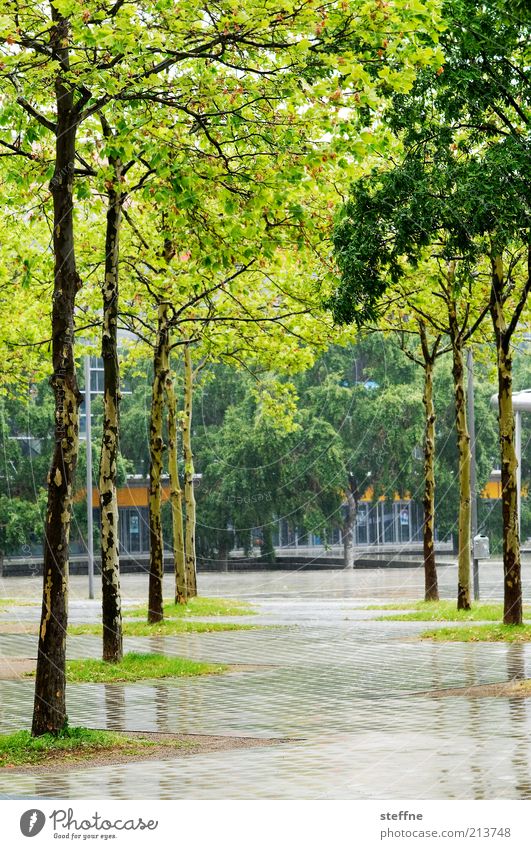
(63, 65)
(476, 134)
(423, 348)
(430, 202)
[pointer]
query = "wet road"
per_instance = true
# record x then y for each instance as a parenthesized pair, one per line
(350, 689)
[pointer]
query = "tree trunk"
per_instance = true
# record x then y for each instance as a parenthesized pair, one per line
(431, 589)
(349, 524)
(512, 608)
(267, 550)
(512, 568)
(223, 558)
(49, 713)
(156, 447)
(189, 496)
(176, 495)
(465, 457)
(465, 515)
(110, 538)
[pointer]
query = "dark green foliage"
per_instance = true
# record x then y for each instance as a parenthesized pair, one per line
(20, 524)
(433, 199)
(483, 87)
(462, 186)
(359, 411)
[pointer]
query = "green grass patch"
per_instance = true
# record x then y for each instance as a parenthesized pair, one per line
(136, 666)
(166, 628)
(481, 633)
(73, 743)
(445, 611)
(198, 607)
(16, 602)
(400, 605)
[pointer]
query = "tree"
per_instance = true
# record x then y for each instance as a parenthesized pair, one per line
(259, 465)
(432, 197)
(176, 495)
(231, 275)
(352, 497)
(189, 497)
(455, 309)
(479, 134)
(110, 536)
(221, 125)
(425, 353)
(50, 705)
(156, 550)
(258, 468)
(66, 63)
(447, 459)
(219, 335)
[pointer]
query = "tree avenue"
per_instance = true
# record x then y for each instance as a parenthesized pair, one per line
(238, 121)
(463, 130)
(455, 310)
(423, 346)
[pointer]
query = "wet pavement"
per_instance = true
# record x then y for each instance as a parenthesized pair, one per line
(350, 688)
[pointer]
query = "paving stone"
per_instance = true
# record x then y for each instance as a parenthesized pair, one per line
(350, 688)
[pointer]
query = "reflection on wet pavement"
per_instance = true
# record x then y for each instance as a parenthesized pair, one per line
(354, 689)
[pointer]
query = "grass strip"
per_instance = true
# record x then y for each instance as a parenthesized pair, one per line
(444, 611)
(198, 607)
(137, 666)
(168, 627)
(21, 748)
(17, 602)
(481, 634)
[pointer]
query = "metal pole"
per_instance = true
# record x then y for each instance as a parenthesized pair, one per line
(88, 433)
(396, 520)
(518, 452)
(473, 493)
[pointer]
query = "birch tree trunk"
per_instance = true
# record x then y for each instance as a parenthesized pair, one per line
(463, 447)
(512, 567)
(176, 495)
(430, 352)
(189, 496)
(156, 447)
(110, 537)
(465, 514)
(349, 524)
(431, 589)
(49, 713)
